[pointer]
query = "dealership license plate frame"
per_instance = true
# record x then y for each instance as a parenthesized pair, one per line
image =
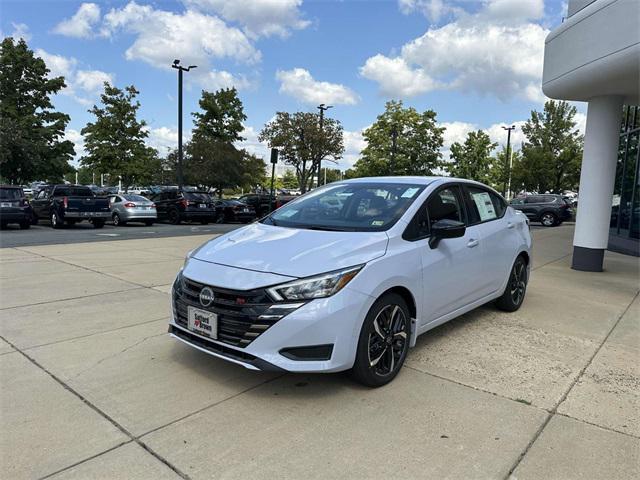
(194, 320)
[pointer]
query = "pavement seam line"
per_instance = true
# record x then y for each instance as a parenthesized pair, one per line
(609, 429)
(564, 396)
(72, 298)
(84, 460)
(99, 411)
(215, 404)
(33, 347)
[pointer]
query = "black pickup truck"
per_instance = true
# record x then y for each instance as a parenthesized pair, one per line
(69, 204)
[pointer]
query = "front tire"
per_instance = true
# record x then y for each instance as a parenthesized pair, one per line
(513, 296)
(117, 221)
(148, 223)
(24, 225)
(384, 341)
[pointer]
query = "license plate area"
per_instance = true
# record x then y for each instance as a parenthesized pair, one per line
(203, 205)
(202, 322)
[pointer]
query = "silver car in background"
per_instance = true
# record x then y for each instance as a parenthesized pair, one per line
(127, 207)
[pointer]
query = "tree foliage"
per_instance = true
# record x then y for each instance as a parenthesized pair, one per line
(31, 131)
(472, 159)
(115, 141)
(222, 116)
(212, 160)
(418, 143)
(302, 143)
(552, 154)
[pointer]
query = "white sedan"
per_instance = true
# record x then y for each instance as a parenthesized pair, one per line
(347, 276)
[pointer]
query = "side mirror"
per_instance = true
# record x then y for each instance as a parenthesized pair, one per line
(445, 229)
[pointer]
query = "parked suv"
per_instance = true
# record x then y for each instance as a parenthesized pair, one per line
(178, 206)
(14, 207)
(261, 202)
(550, 210)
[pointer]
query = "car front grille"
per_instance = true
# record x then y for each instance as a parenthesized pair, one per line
(242, 315)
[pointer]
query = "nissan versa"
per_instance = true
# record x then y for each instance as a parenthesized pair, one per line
(347, 276)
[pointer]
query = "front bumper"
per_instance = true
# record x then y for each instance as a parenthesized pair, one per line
(335, 321)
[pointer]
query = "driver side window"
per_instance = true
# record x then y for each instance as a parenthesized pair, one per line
(444, 205)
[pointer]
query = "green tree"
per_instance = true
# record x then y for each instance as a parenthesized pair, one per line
(302, 143)
(472, 159)
(115, 141)
(222, 116)
(31, 131)
(417, 145)
(289, 180)
(552, 154)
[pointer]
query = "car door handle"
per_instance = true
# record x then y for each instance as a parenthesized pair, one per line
(510, 225)
(472, 243)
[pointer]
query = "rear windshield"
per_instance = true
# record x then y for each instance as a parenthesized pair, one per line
(135, 198)
(73, 192)
(198, 197)
(11, 193)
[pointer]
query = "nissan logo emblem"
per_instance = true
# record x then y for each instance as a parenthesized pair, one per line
(206, 297)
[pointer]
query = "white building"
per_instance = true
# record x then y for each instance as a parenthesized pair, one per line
(594, 57)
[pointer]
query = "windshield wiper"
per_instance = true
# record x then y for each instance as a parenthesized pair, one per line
(327, 228)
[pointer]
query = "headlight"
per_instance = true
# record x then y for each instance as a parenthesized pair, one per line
(319, 286)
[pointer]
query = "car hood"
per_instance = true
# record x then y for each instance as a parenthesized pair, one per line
(292, 252)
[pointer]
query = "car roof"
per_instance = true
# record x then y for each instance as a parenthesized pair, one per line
(10, 186)
(416, 180)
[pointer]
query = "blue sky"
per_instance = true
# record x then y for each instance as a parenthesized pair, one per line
(477, 63)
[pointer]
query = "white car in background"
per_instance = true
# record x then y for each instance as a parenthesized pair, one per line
(347, 276)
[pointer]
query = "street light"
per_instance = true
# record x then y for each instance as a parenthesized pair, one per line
(180, 68)
(322, 107)
(506, 188)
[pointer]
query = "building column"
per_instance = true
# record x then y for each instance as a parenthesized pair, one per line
(597, 178)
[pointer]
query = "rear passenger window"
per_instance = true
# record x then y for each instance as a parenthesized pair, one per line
(498, 203)
(483, 205)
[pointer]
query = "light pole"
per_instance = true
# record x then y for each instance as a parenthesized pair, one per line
(180, 68)
(507, 181)
(322, 107)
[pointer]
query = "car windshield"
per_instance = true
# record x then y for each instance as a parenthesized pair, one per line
(358, 207)
(198, 197)
(135, 198)
(10, 193)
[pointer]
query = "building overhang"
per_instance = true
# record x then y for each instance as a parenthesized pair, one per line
(595, 52)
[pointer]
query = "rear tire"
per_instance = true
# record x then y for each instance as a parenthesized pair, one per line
(384, 341)
(55, 220)
(549, 219)
(148, 223)
(98, 223)
(174, 217)
(204, 222)
(513, 296)
(25, 225)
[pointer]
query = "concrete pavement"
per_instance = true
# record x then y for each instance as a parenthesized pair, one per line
(92, 387)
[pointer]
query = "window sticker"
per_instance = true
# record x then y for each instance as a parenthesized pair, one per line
(410, 192)
(485, 206)
(377, 223)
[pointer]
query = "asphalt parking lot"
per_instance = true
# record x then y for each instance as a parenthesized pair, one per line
(43, 234)
(93, 387)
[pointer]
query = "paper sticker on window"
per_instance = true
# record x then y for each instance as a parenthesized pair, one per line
(377, 223)
(484, 205)
(409, 192)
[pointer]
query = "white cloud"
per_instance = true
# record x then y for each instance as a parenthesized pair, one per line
(252, 145)
(216, 79)
(164, 139)
(354, 143)
(258, 17)
(299, 83)
(161, 36)
(81, 24)
(87, 82)
(497, 50)
(396, 78)
(92, 81)
(77, 139)
(434, 10)
(20, 30)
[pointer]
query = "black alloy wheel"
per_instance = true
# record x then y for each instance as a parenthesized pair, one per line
(384, 341)
(514, 293)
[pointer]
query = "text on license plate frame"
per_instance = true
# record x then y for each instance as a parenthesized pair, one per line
(198, 320)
